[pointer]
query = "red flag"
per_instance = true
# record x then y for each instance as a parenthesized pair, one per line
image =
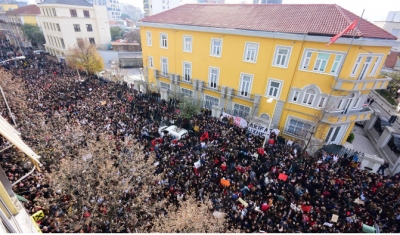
(204, 136)
(337, 36)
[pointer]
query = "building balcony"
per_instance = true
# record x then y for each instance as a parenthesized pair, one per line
(243, 95)
(345, 84)
(350, 116)
(159, 73)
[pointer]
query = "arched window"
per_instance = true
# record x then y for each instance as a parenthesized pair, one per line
(309, 96)
(264, 116)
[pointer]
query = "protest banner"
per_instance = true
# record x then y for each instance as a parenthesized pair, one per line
(238, 121)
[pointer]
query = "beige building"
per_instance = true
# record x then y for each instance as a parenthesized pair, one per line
(392, 25)
(64, 23)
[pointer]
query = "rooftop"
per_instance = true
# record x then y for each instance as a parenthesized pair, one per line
(67, 2)
(26, 10)
(311, 19)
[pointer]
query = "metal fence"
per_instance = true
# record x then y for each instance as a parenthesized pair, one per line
(341, 151)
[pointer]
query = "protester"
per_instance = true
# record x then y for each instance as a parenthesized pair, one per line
(273, 189)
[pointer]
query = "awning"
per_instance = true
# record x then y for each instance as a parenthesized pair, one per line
(21, 198)
(12, 135)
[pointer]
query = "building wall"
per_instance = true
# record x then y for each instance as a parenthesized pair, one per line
(391, 27)
(48, 21)
(8, 7)
(292, 78)
(158, 6)
(113, 8)
(29, 19)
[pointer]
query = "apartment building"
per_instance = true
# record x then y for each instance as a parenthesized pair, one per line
(113, 8)
(11, 22)
(392, 25)
(238, 62)
(65, 22)
(152, 7)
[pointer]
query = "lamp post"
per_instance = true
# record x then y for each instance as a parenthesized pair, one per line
(270, 100)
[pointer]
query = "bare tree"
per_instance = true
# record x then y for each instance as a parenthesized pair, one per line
(108, 188)
(190, 216)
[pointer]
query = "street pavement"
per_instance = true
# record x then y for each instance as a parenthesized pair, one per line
(109, 56)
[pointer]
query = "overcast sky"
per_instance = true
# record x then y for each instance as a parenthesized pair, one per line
(375, 10)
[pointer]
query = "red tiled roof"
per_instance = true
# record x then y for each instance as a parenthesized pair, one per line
(25, 10)
(313, 19)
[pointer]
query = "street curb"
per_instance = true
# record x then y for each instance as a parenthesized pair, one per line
(384, 100)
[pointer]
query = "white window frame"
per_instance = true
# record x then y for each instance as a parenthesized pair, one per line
(356, 66)
(210, 69)
(278, 56)
(150, 62)
(212, 47)
(213, 97)
(306, 60)
(296, 94)
(162, 40)
(304, 130)
(247, 47)
(149, 40)
(321, 62)
(235, 114)
(164, 73)
(336, 64)
(323, 100)
(378, 60)
(340, 104)
(357, 102)
(185, 49)
(164, 85)
(309, 97)
(184, 72)
(187, 91)
(279, 90)
(241, 90)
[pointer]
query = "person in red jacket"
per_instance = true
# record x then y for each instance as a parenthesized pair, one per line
(223, 166)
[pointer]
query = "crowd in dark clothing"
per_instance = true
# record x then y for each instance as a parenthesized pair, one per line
(254, 196)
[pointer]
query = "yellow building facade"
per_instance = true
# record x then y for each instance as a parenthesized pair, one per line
(12, 20)
(316, 90)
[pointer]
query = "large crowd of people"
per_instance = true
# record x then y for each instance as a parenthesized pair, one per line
(277, 188)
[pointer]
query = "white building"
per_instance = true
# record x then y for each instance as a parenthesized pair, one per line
(152, 7)
(113, 8)
(392, 25)
(65, 22)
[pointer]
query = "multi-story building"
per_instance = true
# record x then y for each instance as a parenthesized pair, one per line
(237, 62)
(64, 23)
(12, 21)
(113, 8)
(392, 25)
(152, 7)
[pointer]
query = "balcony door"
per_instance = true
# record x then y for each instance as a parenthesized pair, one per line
(365, 67)
(347, 104)
(335, 134)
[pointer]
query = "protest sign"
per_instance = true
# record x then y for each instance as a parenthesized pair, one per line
(238, 121)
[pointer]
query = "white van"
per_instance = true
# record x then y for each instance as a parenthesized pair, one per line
(176, 132)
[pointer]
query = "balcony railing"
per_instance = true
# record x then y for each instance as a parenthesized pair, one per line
(161, 74)
(361, 85)
(211, 87)
(243, 95)
(350, 116)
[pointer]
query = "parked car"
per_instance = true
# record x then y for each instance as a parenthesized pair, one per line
(380, 123)
(176, 132)
(394, 143)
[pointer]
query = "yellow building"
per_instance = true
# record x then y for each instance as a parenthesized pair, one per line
(237, 57)
(11, 22)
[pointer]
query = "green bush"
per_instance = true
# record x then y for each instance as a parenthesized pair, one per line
(350, 139)
(387, 96)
